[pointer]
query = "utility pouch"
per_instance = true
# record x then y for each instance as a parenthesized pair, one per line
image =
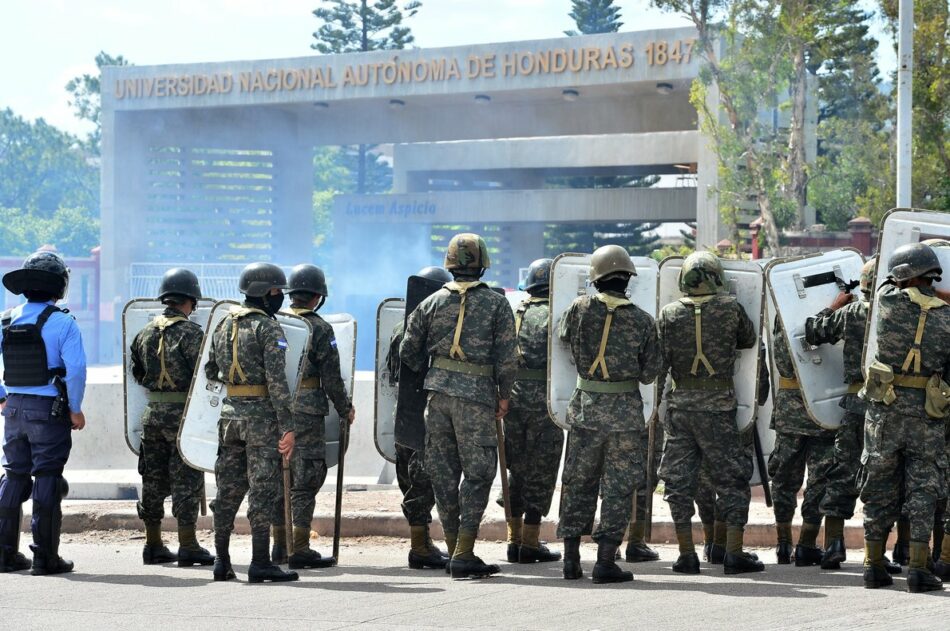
(937, 399)
(879, 386)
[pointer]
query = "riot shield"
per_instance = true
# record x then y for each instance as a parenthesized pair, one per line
(902, 226)
(746, 283)
(198, 435)
(515, 298)
(409, 429)
(568, 281)
(136, 314)
(799, 288)
(390, 312)
(344, 330)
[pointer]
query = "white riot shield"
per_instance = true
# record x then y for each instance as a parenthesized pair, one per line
(515, 298)
(390, 312)
(568, 281)
(344, 329)
(136, 314)
(746, 283)
(902, 226)
(198, 435)
(800, 287)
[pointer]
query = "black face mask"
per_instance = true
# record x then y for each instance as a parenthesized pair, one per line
(274, 302)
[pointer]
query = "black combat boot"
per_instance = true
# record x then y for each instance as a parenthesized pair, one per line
(806, 556)
(572, 558)
(278, 553)
(740, 563)
(901, 553)
(875, 574)
(639, 551)
(890, 566)
(464, 563)
(606, 569)
(541, 554)
(11, 559)
(157, 554)
(687, 563)
(834, 555)
(717, 554)
(46, 559)
(783, 552)
(222, 559)
(261, 568)
(189, 551)
(919, 577)
(424, 553)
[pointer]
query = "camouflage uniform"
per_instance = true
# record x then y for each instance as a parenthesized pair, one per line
(830, 327)
(463, 392)
(320, 380)
(418, 499)
(902, 432)
(701, 419)
(163, 471)
(799, 443)
(250, 427)
(533, 442)
(605, 442)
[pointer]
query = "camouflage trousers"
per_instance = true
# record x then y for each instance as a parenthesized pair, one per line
(308, 472)
(705, 496)
(842, 490)
(418, 499)
(691, 438)
(248, 464)
(461, 458)
(164, 473)
(906, 451)
(793, 453)
(533, 445)
(608, 462)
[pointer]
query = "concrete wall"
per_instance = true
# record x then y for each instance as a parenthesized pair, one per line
(102, 466)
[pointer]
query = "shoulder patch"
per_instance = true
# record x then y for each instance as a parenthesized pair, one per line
(333, 343)
(282, 344)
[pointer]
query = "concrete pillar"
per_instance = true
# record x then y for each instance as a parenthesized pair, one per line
(709, 228)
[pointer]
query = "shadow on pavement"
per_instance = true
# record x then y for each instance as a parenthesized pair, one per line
(144, 580)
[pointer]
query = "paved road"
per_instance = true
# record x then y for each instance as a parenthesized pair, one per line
(373, 590)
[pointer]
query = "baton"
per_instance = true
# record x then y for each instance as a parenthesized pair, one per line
(651, 483)
(204, 496)
(288, 511)
(338, 509)
(503, 464)
(760, 461)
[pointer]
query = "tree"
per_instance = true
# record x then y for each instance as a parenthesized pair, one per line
(86, 97)
(594, 16)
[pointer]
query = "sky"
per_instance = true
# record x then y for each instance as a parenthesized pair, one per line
(44, 43)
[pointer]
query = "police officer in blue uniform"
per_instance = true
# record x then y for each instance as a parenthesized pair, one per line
(41, 396)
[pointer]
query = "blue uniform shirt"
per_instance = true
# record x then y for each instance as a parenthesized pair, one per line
(63, 350)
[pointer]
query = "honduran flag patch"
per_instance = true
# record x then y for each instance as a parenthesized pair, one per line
(282, 344)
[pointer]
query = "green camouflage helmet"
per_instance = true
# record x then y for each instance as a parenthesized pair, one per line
(608, 260)
(868, 272)
(701, 274)
(467, 251)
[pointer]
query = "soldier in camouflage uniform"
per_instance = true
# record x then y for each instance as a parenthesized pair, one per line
(614, 347)
(468, 332)
(533, 442)
(164, 355)
(700, 335)
(800, 443)
(904, 432)
(845, 320)
(418, 498)
(256, 427)
(319, 380)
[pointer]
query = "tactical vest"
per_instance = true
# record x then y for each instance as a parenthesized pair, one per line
(24, 352)
(163, 322)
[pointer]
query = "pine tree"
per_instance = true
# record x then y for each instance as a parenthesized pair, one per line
(86, 97)
(594, 16)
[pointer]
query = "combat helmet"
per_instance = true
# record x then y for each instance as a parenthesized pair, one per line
(42, 271)
(257, 279)
(701, 274)
(467, 251)
(912, 261)
(539, 275)
(610, 260)
(307, 278)
(179, 281)
(434, 272)
(868, 272)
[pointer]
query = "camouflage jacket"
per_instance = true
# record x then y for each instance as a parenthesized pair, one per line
(262, 350)
(632, 353)
(323, 361)
(487, 339)
(847, 323)
(392, 355)
(181, 346)
(529, 394)
(897, 319)
(726, 328)
(789, 414)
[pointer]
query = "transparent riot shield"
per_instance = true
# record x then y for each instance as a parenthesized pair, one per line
(800, 287)
(198, 435)
(568, 281)
(136, 314)
(902, 226)
(390, 312)
(745, 282)
(344, 329)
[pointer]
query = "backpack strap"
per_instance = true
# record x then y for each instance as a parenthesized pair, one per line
(613, 303)
(519, 316)
(461, 288)
(236, 314)
(926, 303)
(163, 322)
(696, 302)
